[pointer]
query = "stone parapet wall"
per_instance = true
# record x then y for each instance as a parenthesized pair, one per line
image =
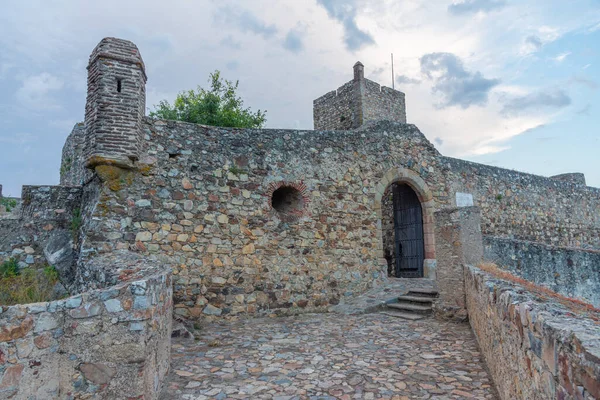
(104, 344)
(535, 350)
(382, 103)
(576, 178)
(339, 109)
(458, 242)
(50, 202)
(522, 206)
(570, 272)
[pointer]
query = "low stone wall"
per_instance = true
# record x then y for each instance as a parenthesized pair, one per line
(457, 242)
(568, 271)
(105, 344)
(534, 349)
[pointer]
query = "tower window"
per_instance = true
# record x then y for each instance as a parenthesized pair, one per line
(119, 85)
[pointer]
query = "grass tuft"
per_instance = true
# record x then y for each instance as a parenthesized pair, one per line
(28, 285)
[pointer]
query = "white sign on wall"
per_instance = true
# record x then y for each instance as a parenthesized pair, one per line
(464, 199)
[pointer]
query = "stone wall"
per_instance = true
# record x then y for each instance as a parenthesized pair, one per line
(41, 232)
(533, 349)
(572, 272)
(387, 228)
(106, 344)
(458, 243)
(72, 167)
(201, 196)
(522, 206)
(339, 109)
(382, 103)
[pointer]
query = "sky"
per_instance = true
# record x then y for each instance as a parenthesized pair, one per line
(509, 83)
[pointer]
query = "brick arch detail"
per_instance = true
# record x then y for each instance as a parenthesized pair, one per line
(412, 179)
(295, 214)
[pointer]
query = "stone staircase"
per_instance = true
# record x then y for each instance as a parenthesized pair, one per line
(416, 304)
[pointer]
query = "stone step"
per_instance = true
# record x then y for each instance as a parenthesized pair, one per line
(420, 299)
(410, 307)
(405, 315)
(423, 292)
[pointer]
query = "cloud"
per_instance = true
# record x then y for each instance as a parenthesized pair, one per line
(405, 80)
(245, 21)
(537, 101)
(34, 91)
(438, 141)
(580, 80)
(585, 110)
(232, 65)
(531, 44)
(475, 6)
(457, 86)
(561, 57)
(231, 43)
(345, 12)
(293, 41)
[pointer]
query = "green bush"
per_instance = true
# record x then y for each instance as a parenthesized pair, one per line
(218, 106)
(8, 203)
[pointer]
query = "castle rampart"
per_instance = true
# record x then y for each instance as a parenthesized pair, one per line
(269, 221)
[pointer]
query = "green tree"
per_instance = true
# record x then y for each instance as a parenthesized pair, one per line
(218, 106)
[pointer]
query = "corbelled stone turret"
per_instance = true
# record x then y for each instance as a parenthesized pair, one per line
(116, 101)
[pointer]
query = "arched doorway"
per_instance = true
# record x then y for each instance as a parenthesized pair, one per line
(405, 210)
(408, 246)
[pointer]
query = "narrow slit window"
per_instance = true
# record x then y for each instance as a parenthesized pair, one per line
(119, 85)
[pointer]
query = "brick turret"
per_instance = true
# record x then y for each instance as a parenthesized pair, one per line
(116, 101)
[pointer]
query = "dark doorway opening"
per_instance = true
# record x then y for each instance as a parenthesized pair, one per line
(405, 254)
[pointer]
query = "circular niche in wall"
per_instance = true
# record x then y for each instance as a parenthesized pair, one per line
(287, 200)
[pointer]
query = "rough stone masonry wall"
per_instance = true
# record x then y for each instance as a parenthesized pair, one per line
(339, 109)
(458, 243)
(533, 349)
(106, 344)
(571, 272)
(202, 198)
(382, 103)
(387, 229)
(41, 232)
(522, 206)
(72, 167)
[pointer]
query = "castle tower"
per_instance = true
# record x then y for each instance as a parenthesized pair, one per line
(358, 102)
(115, 106)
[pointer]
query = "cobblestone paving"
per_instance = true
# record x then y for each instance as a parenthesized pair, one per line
(329, 356)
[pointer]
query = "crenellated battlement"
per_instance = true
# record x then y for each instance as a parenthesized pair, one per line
(357, 103)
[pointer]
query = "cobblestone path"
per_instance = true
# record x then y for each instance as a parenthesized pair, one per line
(329, 356)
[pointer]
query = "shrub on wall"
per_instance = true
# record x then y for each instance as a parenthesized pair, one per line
(218, 106)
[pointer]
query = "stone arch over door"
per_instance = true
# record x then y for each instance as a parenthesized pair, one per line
(418, 185)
